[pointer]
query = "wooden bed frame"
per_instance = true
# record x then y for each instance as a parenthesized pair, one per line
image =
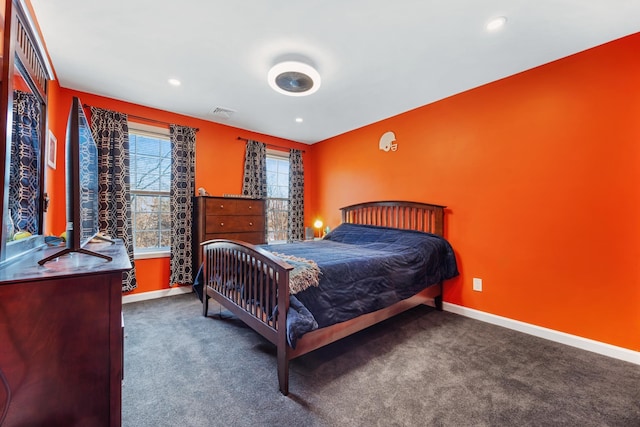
(265, 278)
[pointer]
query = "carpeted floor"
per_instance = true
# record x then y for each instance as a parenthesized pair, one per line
(422, 368)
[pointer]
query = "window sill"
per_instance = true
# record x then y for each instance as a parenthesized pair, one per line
(151, 254)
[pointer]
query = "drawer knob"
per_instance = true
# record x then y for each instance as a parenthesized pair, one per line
(221, 224)
(250, 206)
(251, 223)
(221, 206)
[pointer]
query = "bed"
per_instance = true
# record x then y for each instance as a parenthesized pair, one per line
(383, 259)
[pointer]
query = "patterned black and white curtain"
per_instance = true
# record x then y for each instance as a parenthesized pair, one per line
(111, 133)
(24, 176)
(183, 153)
(295, 219)
(254, 183)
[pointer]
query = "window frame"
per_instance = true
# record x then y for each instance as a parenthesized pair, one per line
(157, 132)
(278, 155)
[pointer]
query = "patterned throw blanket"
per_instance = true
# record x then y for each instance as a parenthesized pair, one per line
(305, 273)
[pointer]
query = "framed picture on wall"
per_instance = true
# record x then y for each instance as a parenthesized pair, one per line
(52, 149)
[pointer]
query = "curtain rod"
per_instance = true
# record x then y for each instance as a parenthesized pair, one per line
(269, 145)
(144, 118)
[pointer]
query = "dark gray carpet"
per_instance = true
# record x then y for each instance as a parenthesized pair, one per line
(422, 368)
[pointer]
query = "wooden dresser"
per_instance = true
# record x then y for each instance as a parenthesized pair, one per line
(61, 338)
(232, 218)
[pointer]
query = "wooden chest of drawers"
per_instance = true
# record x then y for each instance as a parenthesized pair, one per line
(226, 218)
(61, 338)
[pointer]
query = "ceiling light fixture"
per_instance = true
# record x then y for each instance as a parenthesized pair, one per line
(174, 82)
(496, 23)
(299, 120)
(294, 78)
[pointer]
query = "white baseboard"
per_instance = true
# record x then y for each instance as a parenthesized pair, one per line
(143, 296)
(549, 334)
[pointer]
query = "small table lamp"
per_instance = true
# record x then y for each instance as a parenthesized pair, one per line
(318, 225)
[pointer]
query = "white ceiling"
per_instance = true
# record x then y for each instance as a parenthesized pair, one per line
(377, 58)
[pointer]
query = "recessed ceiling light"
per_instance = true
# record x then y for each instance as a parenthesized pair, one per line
(299, 120)
(174, 82)
(294, 78)
(496, 23)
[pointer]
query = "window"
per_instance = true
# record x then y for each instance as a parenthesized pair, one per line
(150, 157)
(277, 203)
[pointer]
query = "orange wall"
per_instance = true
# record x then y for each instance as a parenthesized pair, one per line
(219, 164)
(541, 174)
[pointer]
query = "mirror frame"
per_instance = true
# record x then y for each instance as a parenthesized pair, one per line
(23, 52)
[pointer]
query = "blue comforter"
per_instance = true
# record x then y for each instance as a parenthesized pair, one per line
(363, 269)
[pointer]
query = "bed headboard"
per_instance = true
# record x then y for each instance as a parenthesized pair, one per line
(397, 214)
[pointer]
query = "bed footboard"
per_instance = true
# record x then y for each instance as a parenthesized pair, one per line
(254, 285)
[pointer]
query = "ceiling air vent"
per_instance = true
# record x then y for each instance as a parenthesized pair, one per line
(223, 113)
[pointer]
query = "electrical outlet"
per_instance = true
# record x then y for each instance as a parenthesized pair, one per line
(477, 284)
